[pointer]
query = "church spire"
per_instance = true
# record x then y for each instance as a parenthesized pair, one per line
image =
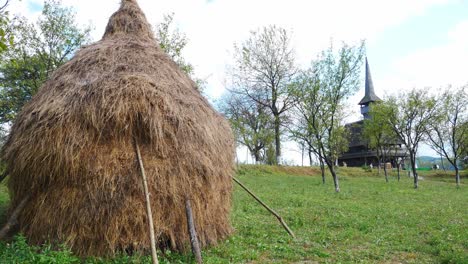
(369, 95)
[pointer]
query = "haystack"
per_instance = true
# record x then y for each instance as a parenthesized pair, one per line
(70, 150)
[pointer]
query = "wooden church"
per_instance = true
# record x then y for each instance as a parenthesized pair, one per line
(359, 154)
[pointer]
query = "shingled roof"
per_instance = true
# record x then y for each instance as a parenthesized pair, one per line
(369, 95)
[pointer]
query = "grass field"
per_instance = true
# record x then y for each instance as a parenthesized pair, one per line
(370, 221)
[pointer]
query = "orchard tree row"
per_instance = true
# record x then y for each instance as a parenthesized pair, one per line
(270, 100)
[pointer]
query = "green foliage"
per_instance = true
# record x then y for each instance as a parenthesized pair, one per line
(379, 134)
(368, 222)
(410, 115)
(251, 125)
(264, 67)
(448, 131)
(37, 50)
(319, 94)
(173, 42)
(6, 38)
(18, 251)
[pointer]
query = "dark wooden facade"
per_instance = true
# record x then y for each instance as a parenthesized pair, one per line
(359, 153)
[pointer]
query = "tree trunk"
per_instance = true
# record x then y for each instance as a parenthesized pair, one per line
(442, 164)
(310, 158)
(457, 176)
(322, 169)
(379, 164)
(398, 170)
(413, 169)
(385, 172)
(334, 176)
(257, 156)
(277, 140)
(302, 156)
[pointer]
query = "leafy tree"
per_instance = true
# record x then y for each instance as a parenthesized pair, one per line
(37, 51)
(173, 42)
(264, 67)
(448, 131)
(306, 112)
(250, 123)
(6, 39)
(409, 115)
(379, 134)
(320, 93)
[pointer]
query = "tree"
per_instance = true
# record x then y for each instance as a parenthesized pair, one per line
(320, 93)
(264, 66)
(409, 115)
(379, 134)
(6, 38)
(250, 123)
(301, 131)
(173, 42)
(36, 52)
(448, 133)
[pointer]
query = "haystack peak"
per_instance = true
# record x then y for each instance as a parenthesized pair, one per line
(129, 20)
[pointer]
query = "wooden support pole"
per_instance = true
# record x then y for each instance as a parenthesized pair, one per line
(3, 176)
(193, 232)
(280, 219)
(13, 220)
(148, 203)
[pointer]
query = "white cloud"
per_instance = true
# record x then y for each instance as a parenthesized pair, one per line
(213, 27)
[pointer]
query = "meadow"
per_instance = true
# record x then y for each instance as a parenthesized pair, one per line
(369, 221)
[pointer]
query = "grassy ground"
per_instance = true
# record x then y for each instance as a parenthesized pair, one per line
(370, 221)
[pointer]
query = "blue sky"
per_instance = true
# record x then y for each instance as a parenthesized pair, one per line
(410, 44)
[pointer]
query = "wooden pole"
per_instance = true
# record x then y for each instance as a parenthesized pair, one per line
(193, 233)
(3, 176)
(280, 219)
(13, 220)
(148, 203)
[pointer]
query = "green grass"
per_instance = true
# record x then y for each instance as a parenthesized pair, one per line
(370, 221)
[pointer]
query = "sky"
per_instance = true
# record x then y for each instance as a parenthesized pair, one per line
(409, 43)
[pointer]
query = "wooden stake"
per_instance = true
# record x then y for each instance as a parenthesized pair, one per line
(148, 203)
(3, 176)
(13, 220)
(193, 233)
(280, 219)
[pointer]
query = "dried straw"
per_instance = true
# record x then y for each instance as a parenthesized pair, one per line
(71, 151)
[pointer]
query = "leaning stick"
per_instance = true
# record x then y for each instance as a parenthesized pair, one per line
(280, 219)
(3, 176)
(148, 204)
(13, 221)
(192, 231)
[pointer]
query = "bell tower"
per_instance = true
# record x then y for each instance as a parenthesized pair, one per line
(369, 95)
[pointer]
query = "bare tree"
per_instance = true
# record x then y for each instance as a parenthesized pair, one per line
(320, 93)
(264, 66)
(409, 115)
(449, 129)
